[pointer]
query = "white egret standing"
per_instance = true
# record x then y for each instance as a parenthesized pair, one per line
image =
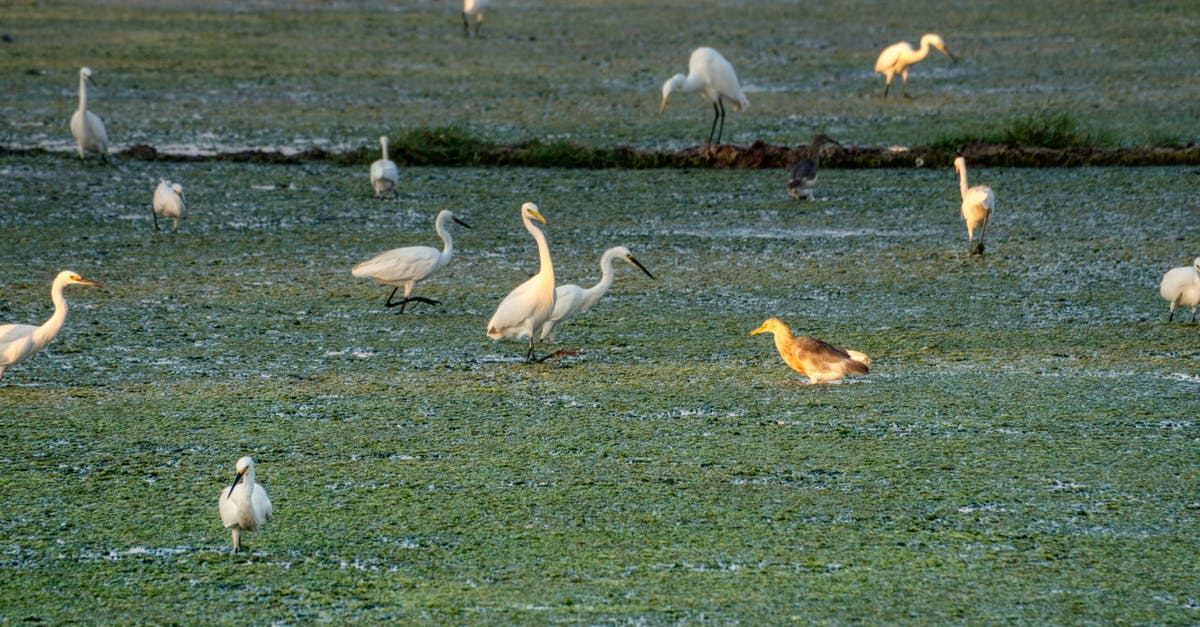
(245, 506)
(713, 78)
(820, 361)
(1181, 286)
(18, 341)
(803, 175)
(384, 174)
(896, 58)
(168, 203)
(977, 205)
(523, 312)
(572, 299)
(86, 126)
(473, 8)
(405, 267)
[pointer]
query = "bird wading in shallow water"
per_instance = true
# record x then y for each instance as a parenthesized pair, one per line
(1181, 286)
(18, 341)
(896, 58)
(384, 174)
(820, 361)
(977, 205)
(86, 126)
(405, 267)
(803, 175)
(168, 203)
(713, 78)
(244, 506)
(522, 313)
(572, 299)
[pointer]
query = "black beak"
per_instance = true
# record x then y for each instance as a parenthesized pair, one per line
(234, 484)
(461, 222)
(640, 266)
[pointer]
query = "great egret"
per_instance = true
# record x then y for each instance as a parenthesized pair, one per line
(522, 313)
(896, 58)
(384, 174)
(18, 341)
(405, 267)
(245, 506)
(713, 78)
(473, 8)
(168, 203)
(820, 361)
(977, 205)
(804, 173)
(1181, 286)
(86, 126)
(572, 299)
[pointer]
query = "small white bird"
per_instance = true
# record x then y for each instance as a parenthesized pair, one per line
(245, 506)
(713, 78)
(977, 205)
(820, 361)
(405, 267)
(168, 203)
(1181, 286)
(896, 58)
(803, 175)
(473, 8)
(523, 312)
(572, 299)
(86, 126)
(384, 174)
(18, 341)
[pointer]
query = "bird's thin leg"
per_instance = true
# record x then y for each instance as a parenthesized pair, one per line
(1193, 314)
(721, 131)
(716, 114)
(155, 216)
(529, 354)
(175, 228)
(237, 540)
(886, 87)
(466, 26)
(389, 303)
(904, 84)
(1171, 316)
(414, 299)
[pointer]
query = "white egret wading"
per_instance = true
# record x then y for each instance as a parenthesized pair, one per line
(713, 78)
(244, 506)
(896, 58)
(1181, 286)
(405, 267)
(86, 126)
(977, 205)
(522, 313)
(384, 174)
(803, 175)
(572, 299)
(168, 203)
(820, 361)
(473, 8)
(18, 341)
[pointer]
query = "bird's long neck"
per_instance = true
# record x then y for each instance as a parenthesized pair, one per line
(814, 152)
(783, 338)
(922, 52)
(51, 327)
(547, 266)
(962, 181)
(594, 293)
(447, 241)
(82, 93)
(383, 145)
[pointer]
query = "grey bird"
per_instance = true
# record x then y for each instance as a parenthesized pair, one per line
(803, 174)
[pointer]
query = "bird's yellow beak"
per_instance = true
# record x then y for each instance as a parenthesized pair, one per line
(759, 330)
(234, 484)
(537, 215)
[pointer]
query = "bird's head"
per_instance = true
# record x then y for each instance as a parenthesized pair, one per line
(244, 465)
(637, 264)
(673, 83)
(178, 189)
(86, 74)
(770, 325)
(1196, 264)
(69, 277)
(530, 210)
(960, 164)
(446, 214)
(936, 42)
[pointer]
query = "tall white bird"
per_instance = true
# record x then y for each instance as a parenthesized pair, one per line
(803, 174)
(572, 299)
(1181, 286)
(710, 75)
(384, 174)
(86, 126)
(168, 203)
(18, 341)
(522, 313)
(405, 267)
(245, 506)
(977, 205)
(896, 58)
(818, 360)
(473, 8)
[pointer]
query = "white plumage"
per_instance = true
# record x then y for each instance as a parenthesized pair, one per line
(1181, 286)
(168, 203)
(244, 506)
(18, 341)
(86, 126)
(475, 9)
(522, 313)
(385, 176)
(713, 78)
(572, 299)
(896, 58)
(405, 267)
(977, 205)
